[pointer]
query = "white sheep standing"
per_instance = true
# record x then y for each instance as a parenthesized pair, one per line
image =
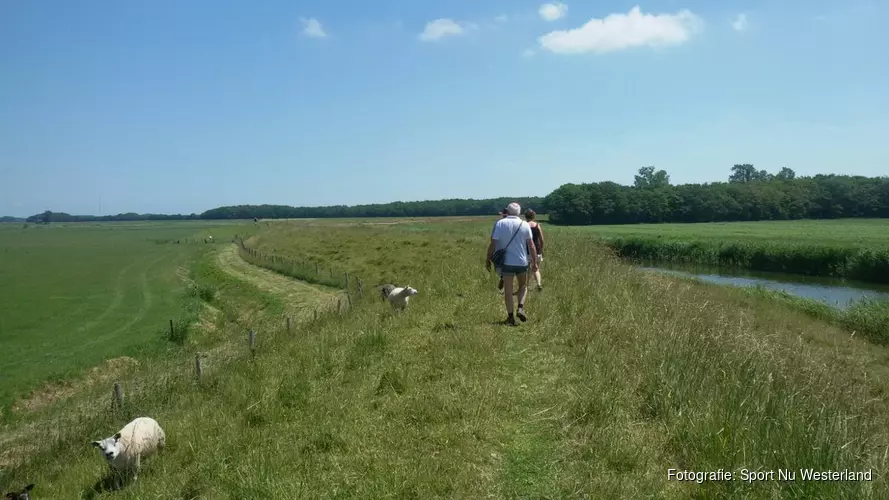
(399, 297)
(142, 437)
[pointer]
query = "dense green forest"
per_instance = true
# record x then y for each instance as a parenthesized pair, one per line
(749, 195)
(50, 216)
(453, 207)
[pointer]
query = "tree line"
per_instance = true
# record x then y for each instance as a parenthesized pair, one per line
(748, 195)
(50, 216)
(431, 208)
(451, 207)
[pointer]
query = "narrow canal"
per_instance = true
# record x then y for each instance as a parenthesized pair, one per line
(835, 292)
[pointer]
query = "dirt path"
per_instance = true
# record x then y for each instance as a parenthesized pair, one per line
(301, 298)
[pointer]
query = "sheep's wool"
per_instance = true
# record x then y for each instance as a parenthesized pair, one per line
(140, 438)
(400, 296)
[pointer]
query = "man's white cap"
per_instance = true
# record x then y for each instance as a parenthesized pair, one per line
(513, 209)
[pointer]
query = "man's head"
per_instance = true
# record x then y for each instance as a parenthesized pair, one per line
(529, 214)
(513, 209)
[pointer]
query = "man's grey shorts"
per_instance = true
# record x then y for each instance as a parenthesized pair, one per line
(513, 270)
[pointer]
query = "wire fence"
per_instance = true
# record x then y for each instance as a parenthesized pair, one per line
(311, 272)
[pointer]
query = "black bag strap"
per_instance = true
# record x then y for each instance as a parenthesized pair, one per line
(514, 234)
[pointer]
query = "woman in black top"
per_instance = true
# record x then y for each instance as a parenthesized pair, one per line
(537, 236)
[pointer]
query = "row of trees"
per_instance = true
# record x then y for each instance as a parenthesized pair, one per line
(452, 207)
(749, 195)
(50, 216)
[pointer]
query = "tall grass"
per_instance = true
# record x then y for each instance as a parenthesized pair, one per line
(617, 377)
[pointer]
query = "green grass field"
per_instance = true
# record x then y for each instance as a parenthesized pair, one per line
(853, 248)
(77, 295)
(866, 233)
(617, 377)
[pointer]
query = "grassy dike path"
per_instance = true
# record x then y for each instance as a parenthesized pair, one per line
(617, 377)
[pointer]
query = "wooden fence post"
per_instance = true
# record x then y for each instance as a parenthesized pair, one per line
(172, 333)
(198, 368)
(118, 396)
(288, 325)
(252, 342)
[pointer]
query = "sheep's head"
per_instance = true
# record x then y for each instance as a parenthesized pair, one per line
(20, 495)
(410, 291)
(109, 446)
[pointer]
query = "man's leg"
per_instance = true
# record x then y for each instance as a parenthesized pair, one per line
(507, 297)
(523, 292)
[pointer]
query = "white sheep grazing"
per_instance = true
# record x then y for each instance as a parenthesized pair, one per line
(142, 437)
(399, 297)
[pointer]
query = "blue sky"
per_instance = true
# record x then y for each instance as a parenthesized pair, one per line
(180, 106)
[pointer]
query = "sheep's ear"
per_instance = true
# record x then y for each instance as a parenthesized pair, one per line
(117, 437)
(95, 443)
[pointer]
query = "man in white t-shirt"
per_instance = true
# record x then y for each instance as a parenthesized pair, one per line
(514, 235)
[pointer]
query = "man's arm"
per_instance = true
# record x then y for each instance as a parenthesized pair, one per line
(491, 246)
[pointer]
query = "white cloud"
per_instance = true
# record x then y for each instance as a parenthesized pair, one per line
(739, 23)
(622, 31)
(552, 11)
(312, 28)
(440, 28)
(528, 53)
(502, 18)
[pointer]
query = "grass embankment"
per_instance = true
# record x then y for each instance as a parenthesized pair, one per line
(867, 317)
(617, 377)
(75, 295)
(851, 249)
(856, 249)
(303, 270)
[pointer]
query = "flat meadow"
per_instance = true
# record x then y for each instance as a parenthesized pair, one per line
(76, 295)
(617, 377)
(867, 233)
(848, 248)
